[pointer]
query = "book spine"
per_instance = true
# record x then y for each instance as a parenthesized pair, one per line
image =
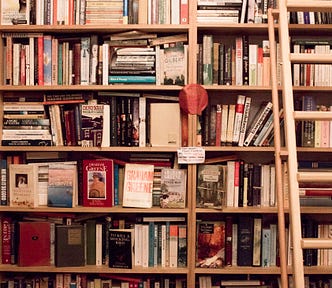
(257, 242)
(84, 64)
(184, 12)
(228, 240)
(6, 240)
(239, 112)
(266, 247)
(245, 59)
(47, 60)
(230, 125)
(239, 61)
(4, 196)
(207, 59)
(40, 59)
(244, 122)
(245, 241)
(26, 142)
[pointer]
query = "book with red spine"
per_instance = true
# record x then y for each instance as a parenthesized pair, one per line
(40, 60)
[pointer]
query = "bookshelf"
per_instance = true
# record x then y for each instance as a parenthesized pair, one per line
(218, 94)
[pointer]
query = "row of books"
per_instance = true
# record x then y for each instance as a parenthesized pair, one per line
(313, 133)
(62, 280)
(247, 240)
(310, 17)
(154, 242)
(60, 12)
(233, 61)
(237, 124)
(311, 74)
(235, 184)
(40, 59)
(208, 281)
(76, 119)
(93, 183)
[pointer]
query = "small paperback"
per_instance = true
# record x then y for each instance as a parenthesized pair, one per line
(173, 188)
(15, 12)
(138, 184)
(23, 183)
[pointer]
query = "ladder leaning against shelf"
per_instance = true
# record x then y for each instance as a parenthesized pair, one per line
(290, 116)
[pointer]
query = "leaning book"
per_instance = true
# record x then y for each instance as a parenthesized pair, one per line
(173, 188)
(138, 184)
(23, 183)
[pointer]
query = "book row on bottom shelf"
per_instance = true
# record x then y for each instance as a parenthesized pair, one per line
(73, 280)
(52, 239)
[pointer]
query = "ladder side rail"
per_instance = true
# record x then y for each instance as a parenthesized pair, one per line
(290, 141)
(277, 156)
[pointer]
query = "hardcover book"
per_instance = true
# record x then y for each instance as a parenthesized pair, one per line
(98, 182)
(173, 188)
(138, 185)
(210, 244)
(34, 244)
(121, 248)
(211, 185)
(62, 184)
(23, 183)
(69, 249)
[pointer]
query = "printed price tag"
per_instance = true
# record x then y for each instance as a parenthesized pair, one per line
(191, 155)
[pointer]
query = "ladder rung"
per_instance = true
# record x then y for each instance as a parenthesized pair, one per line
(310, 58)
(312, 243)
(306, 5)
(312, 115)
(320, 176)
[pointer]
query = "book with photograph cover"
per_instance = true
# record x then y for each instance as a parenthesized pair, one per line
(62, 184)
(23, 183)
(121, 248)
(98, 182)
(210, 244)
(211, 185)
(173, 188)
(15, 12)
(138, 185)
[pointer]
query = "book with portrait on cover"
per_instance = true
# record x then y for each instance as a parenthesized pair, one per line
(98, 182)
(23, 183)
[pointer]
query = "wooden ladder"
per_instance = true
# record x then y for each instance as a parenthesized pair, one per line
(290, 116)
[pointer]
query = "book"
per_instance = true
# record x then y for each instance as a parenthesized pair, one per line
(138, 185)
(62, 184)
(34, 244)
(92, 124)
(15, 12)
(23, 183)
(69, 245)
(210, 246)
(175, 65)
(121, 248)
(211, 185)
(182, 245)
(98, 182)
(239, 112)
(6, 229)
(165, 130)
(308, 126)
(173, 184)
(245, 240)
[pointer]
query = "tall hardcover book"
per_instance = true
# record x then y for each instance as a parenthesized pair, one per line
(138, 185)
(69, 246)
(34, 244)
(121, 248)
(210, 246)
(98, 182)
(245, 240)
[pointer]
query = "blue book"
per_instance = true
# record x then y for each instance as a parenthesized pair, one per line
(113, 79)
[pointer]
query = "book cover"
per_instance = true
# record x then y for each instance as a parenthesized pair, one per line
(15, 12)
(210, 246)
(23, 183)
(62, 184)
(34, 244)
(121, 248)
(138, 185)
(6, 231)
(173, 188)
(98, 182)
(245, 241)
(175, 65)
(211, 185)
(92, 116)
(69, 246)
(165, 130)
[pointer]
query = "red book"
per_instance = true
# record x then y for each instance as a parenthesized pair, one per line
(6, 240)
(98, 183)
(184, 12)
(34, 244)
(40, 56)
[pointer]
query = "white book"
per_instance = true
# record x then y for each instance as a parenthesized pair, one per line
(224, 118)
(265, 185)
(142, 121)
(145, 245)
(244, 122)
(273, 198)
(256, 256)
(173, 246)
(175, 12)
(105, 63)
(234, 244)
(238, 61)
(239, 110)
(138, 255)
(266, 247)
(93, 59)
(16, 63)
(230, 124)
(163, 245)
(106, 141)
(99, 245)
(85, 60)
(230, 184)
(273, 244)
(253, 54)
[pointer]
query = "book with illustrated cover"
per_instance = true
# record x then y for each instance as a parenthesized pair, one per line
(173, 188)
(210, 244)
(15, 12)
(211, 185)
(121, 248)
(138, 185)
(23, 183)
(98, 182)
(62, 184)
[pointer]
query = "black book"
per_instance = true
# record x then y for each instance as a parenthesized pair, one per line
(245, 240)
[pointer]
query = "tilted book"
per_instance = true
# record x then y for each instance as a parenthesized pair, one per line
(23, 183)
(98, 182)
(138, 184)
